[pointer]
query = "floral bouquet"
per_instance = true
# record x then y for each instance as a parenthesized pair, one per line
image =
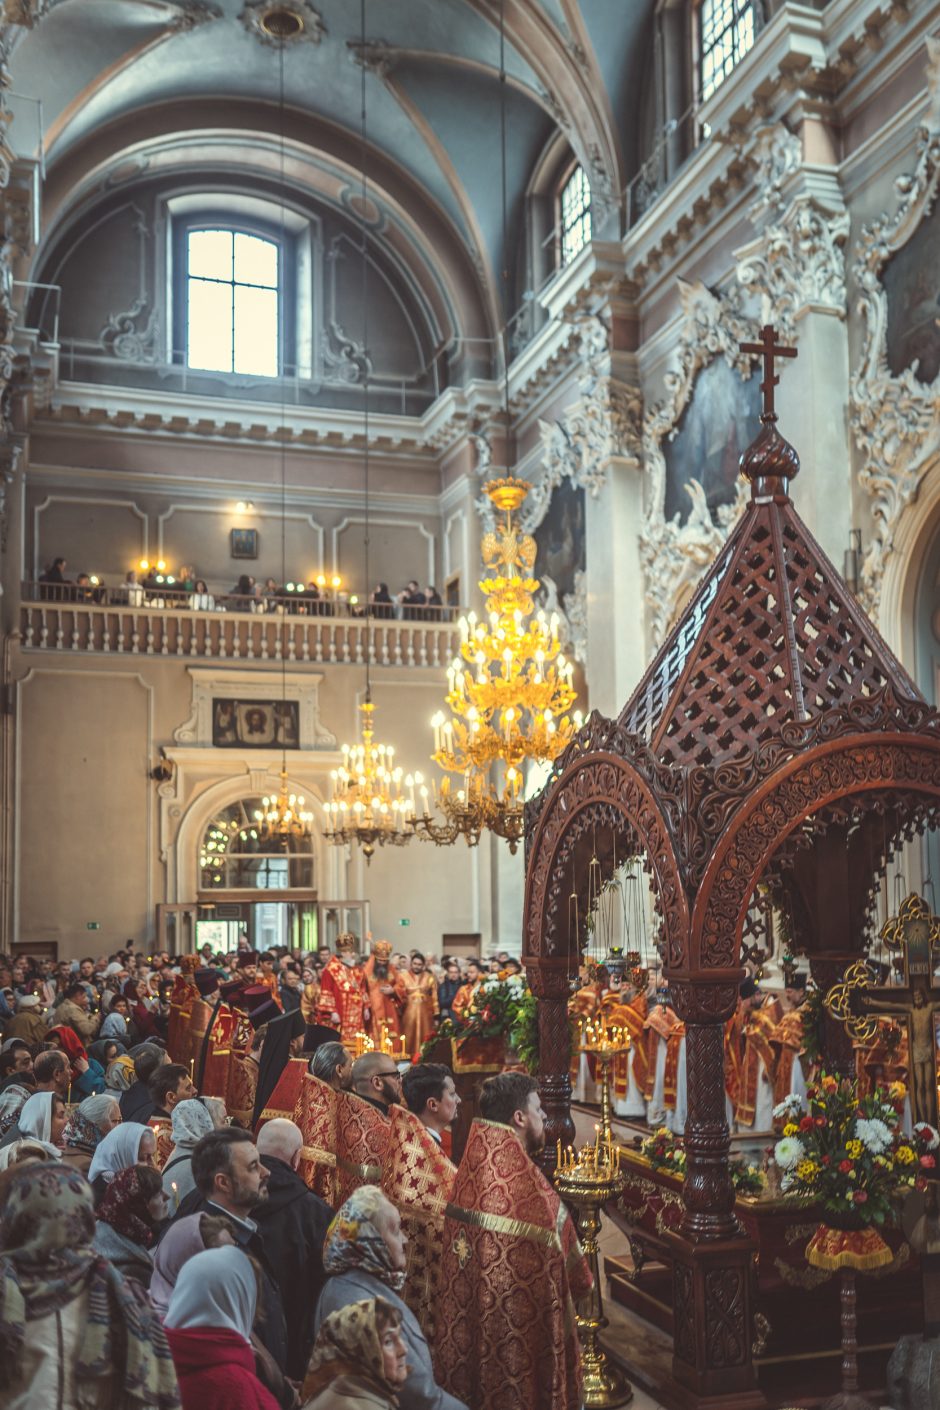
(500, 1008)
(664, 1151)
(848, 1155)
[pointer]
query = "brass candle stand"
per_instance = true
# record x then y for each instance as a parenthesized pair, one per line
(586, 1180)
(388, 1044)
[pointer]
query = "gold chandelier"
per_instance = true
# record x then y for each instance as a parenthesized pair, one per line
(367, 804)
(283, 816)
(508, 695)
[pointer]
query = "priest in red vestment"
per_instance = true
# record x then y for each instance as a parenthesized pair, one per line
(315, 1115)
(380, 975)
(344, 997)
(361, 1136)
(418, 1178)
(512, 1266)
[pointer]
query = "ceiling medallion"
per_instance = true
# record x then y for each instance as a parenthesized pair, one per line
(277, 22)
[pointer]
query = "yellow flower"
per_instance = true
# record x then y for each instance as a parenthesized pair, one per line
(904, 1155)
(897, 1091)
(791, 1129)
(829, 1084)
(807, 1170)
(853, 1149)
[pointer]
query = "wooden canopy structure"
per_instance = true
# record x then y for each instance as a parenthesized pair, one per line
(776, 741)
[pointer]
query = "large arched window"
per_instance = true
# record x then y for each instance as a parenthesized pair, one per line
(232, 856)
(726, 30)
(233, 302)
(574, 215)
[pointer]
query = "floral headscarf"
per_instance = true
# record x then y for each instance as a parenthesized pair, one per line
(124, 1207)
(47, 1224)
(191, 1121)
(349, 1343)
(80, 1134)
(353, 1241)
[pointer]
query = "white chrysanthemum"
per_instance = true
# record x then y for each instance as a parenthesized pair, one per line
(788, 1152)
(789, 1104)
(873, 1134)
(490, 984)
(928, 1134)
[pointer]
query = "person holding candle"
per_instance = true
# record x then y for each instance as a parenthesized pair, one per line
(417, 993)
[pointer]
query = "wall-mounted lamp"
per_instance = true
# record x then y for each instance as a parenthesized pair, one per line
(244, 506)
(163, 771)
(851, 565)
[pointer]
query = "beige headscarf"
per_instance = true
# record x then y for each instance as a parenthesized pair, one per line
(349, 1343)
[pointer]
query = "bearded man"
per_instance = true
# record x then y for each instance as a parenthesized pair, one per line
(380, 976)
(417, 992)
(344, 999)
(512, 1266)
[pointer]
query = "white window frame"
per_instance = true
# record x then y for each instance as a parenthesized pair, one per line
(581, 220)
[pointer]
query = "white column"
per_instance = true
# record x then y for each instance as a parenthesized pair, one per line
(616, 640)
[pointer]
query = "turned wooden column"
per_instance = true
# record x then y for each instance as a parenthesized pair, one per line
(712, 1261)
(549, 982)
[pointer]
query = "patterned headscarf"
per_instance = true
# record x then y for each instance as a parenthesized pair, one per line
(121, 1074)
(353, 1241)
(349, 1344)
(124, 1207)
(80, 1134)
(191, 1121)
(47, 1224)
(11, 1104)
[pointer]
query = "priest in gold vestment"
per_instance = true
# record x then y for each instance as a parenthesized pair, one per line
(417, 993)
(512, 1267)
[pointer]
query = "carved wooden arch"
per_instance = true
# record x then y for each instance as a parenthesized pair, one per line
(853, 765)
(599, 788)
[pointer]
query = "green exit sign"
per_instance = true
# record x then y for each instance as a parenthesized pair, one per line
(92, 924)
(404, 922)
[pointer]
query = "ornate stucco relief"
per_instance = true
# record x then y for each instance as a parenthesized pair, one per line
(895, 419)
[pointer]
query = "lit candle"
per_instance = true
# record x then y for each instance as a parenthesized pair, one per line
(176, 1195)
(558, 1153)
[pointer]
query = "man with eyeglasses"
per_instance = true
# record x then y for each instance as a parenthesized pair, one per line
(377, 1080)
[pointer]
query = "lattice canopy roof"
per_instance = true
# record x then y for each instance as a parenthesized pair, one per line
(772, 636)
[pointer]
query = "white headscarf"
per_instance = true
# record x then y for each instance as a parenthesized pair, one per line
(215, 1289)
(191, 1121)
(35, 1119)
(119, 1149)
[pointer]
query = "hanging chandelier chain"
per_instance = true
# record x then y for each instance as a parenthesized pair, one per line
(363, 208)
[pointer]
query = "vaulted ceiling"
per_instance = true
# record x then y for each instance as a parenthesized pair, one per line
(433, 97)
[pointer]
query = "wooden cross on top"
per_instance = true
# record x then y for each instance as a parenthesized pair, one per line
(768, 348)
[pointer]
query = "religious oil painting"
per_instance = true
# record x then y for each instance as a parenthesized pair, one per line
(560, 542)
(244, 543)
(717, 425)
(255, 724)
(911, 281)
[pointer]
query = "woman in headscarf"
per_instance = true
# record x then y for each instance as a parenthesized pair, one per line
(364, 1257)
(185, 1237)
(208, 1325)
(121, 1074)
(105, 1051)
(11, 1104)
(190, 1122)
(73, 1332)
(114, 1026)
(86, 1127)
(129, 1217)
(42, 1118)
(360, 1361)
(123, 1146)
(87, 1076)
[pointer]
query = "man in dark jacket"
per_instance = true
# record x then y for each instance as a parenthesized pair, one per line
(292, 1222)
(231, 1181)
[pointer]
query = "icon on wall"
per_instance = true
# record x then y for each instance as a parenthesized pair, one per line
(255, 724)
(244, 543)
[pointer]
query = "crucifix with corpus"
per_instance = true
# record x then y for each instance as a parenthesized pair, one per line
(915, 933)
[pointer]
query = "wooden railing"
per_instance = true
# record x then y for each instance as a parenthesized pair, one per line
(108, 628)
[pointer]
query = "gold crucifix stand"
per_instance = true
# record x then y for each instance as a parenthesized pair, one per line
(915, 933)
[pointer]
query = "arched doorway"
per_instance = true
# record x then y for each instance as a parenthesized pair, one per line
(246, 884)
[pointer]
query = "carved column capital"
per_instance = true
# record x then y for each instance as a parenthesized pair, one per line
(704, 1003)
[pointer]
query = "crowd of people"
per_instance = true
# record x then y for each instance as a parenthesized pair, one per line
(158, 1248)
(320, 597)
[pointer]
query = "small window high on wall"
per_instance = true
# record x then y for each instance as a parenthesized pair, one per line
(233, 302)
(574, 215)
(726, 33)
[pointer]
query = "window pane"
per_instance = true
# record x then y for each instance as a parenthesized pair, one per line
(256, 331)
(210, 253)
(255, 261)
(727, 33)
(575, 215)
(209, 344)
